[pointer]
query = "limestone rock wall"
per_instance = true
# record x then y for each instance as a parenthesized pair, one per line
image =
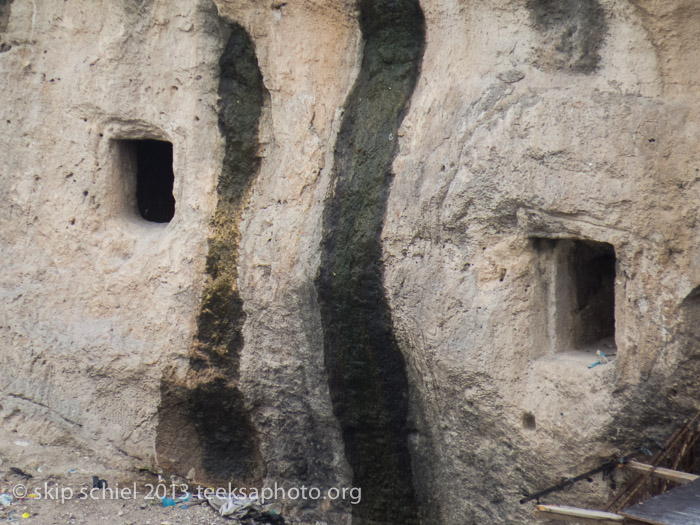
(95, 299)
(532, 129)
(511, 137)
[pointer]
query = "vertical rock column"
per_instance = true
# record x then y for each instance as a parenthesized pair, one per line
(203, 421)
(365, 368)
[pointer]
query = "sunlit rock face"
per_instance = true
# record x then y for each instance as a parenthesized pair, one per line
(386, 240)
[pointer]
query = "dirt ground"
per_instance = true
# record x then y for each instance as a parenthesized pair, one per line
(87, 512)
(63, 501)
(50, 482)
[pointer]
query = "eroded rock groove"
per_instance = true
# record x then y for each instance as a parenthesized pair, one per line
(366, 370)
(204, 423)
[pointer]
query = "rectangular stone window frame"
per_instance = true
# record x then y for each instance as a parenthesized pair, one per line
(124, 156)
(575, 302)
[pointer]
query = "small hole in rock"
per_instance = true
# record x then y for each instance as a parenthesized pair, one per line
(529, 421)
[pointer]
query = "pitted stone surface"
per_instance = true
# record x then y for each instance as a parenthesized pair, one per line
(529, 120)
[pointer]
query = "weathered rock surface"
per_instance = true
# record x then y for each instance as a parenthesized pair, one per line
(394, 234)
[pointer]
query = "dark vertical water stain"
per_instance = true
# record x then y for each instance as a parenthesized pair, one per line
(574, 31)
(365, 368)
(203, 421)
(5, 8)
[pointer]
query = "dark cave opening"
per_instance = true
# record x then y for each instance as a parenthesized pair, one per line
(578, 292)
(593, 272)
(154, 178)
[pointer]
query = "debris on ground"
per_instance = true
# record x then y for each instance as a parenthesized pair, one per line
(180, 501)
(245, 508)
(98, 483)
(20, 472)
(150, 470)
(603, 359)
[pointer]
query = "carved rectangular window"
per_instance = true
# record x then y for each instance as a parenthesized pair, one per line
(578, 285)
(147, 169)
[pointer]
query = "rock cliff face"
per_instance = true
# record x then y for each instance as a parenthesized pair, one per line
(401, 231)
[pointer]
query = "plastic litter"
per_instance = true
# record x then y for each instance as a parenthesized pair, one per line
(6, 499)
(242, 508)
(26, 515)
(98, 483)
(73, 471)
(602, 359)
(235, 508)
(180, 500)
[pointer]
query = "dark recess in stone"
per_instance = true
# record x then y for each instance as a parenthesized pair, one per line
(5, 7)
(366, 370)
(593, 267)
(685, 383)
(529, 422)
(154, 180)
(584, 288)
(207, 428)
(578, 29)
(206, 418)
